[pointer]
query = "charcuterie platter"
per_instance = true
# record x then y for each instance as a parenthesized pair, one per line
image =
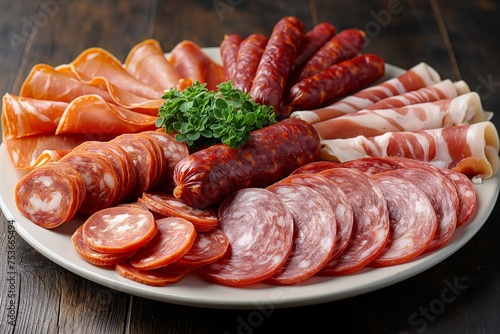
(56, 245)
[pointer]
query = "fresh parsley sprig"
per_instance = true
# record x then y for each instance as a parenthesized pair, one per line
(202, 118)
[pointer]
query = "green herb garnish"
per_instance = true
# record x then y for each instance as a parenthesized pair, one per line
(202, 118)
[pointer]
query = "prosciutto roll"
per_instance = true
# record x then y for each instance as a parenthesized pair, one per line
(419, 76)
(465, 108)
(471, 149)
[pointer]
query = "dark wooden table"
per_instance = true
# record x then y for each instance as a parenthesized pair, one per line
(458, 38)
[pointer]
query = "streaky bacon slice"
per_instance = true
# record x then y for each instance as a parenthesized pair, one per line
(92, 114)
(445, 89)
(24, 116)
(147, 63)
(465, 108)
(191, 62)
(61, 84)
(97, 62)
(419, 76)
(471, 149)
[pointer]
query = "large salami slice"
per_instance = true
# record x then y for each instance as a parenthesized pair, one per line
(443, 196)
(371, 221)
(260, 232)
(337, 200)
(413, 220)
(314, 232)
(50, 195)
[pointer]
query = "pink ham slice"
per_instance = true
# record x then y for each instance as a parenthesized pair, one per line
(465, 108)
(147, 63)
(419, 76)
(470, 149)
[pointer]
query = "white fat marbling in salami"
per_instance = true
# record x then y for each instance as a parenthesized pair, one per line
(443, 196)
(259, 228)
(371, 221)
(337, 200)
(314, 232)
(412, 218)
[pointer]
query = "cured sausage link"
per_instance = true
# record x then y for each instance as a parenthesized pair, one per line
(229, 54)
(249, 55)
(209, 175)
(313, 40)
(278, 57)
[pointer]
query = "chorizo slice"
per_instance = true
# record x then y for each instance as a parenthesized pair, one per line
(412, 218)
(259, 228)
(174, 238)
(371, 221)
(119, 229)
(97, 258)
(51, 194)
(338, 202)
(168, 205)
(315, 230)
(148, 277)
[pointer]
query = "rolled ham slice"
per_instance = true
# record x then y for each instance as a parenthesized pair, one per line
(419, 76)
(471, 149)
(465, 108)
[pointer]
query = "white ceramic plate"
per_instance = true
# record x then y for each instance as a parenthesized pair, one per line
(56, 245)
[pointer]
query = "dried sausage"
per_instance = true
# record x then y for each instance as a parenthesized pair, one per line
(249, 55)
(229, 54)
(313, 40)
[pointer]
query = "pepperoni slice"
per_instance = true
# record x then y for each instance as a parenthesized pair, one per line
(174, 238)
(260, 232)
(208, 247)
(412, 218)
(314, 232)
(119, 229)
(168, 205)
(149, 277)
(101, 180)
(50, 195)
(97, 258)
(443, 196)
(371, 221)
(337, 200)
(317, 166)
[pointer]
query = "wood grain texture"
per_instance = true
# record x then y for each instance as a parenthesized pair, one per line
(458, 38)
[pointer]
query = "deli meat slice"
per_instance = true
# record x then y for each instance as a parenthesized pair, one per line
(314, 232)
(51, 194)
(413, 220)
(442, 195)
(463, 109)
(174, 238)
(445, 89)
(259, 228)
(469, 149)
(371, 221)
(337, 200)
(119, 229)
(150, 277)
(421, 75)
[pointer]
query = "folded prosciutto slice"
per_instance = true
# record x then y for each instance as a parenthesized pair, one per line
(471, 149)
(61, 84)
(419, 76)
(147, 63)
(465, 108)
(191, 62)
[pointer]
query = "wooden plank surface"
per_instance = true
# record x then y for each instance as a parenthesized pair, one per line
(458, 38)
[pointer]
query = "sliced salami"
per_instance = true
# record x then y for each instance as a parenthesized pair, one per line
(50, 195)
(259, 228)
(337, 200)
(174, 238)
(371, 221)
(97, 258)
(208, 247)
(412, 218)
(316, 167)
(314, 232)
(119, 229)
(102, 188)
(168, 205)
(372, 165)
(149, 277)
(443, 196)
